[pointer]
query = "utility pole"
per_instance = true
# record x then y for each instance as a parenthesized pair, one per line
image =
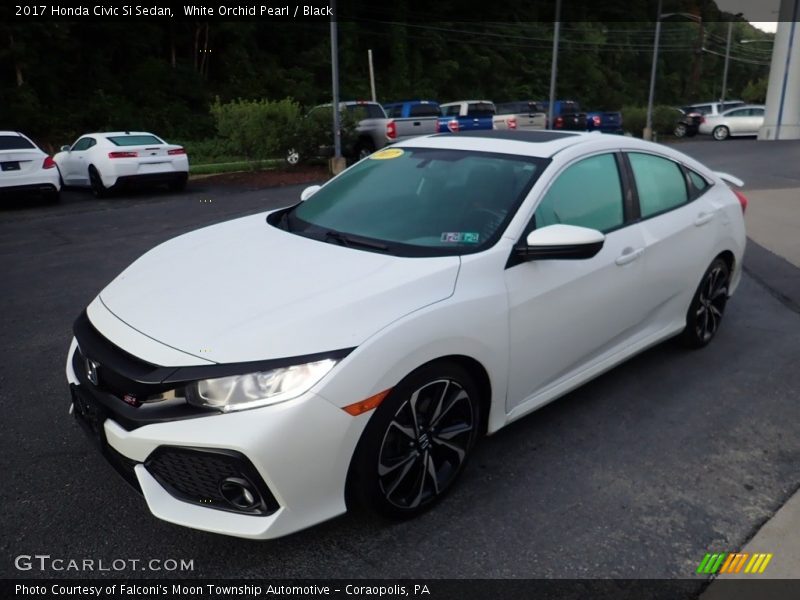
(648, 128)
(554, 66)
(727, 60)
(337, 162)
(371, 76)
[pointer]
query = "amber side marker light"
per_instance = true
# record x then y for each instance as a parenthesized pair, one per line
(363, 406)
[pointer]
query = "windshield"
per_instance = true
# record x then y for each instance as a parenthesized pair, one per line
(134, 140)
(419, 201)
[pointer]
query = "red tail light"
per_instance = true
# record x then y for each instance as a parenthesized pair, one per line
(391, 130)
(742, 200)
(512, 123)
(596, 121)
(123, 154)
(702, 119)
(175, 151)
(452, 125)
(48, 163)
(559, 122)
(438, 126)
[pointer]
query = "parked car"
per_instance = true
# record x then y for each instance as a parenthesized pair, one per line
(605, 121)
(742, 120)
(411, 118)
(371, 131)
(567, 115)
(523, 114)
(291, 364)
(467, 115)
(688, 121)
(25, 169)
(114, 159)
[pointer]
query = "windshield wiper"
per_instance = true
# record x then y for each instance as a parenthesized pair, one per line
(345, 240)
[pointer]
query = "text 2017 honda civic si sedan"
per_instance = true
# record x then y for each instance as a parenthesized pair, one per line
(261, 375)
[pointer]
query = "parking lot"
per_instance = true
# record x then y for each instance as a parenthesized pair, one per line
(637, 474)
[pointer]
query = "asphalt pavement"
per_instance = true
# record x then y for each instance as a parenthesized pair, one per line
(637, 474)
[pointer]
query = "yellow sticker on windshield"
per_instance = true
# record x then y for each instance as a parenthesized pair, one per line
(387, 154)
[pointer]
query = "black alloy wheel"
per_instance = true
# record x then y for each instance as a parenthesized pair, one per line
(708, 305)
(417, 442)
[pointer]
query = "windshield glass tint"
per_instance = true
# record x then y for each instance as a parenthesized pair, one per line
(14, 142)
(134, 140)
(453, 201)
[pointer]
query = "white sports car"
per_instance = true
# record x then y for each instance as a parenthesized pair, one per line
(261, 375)
(106, 160)
(26, 169)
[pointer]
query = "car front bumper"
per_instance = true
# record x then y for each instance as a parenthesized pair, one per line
(300, 449)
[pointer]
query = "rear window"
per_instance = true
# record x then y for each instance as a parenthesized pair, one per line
(481, 109)
(134, 140)
(14, 142)
(366, 111)
(394, 112)
(424, 110)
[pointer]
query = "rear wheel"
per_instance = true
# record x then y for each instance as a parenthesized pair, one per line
(680, 130)
(721, 133)
(416, 444)
(364, 149)
(292, 156)
(708, 305)
(98, 188)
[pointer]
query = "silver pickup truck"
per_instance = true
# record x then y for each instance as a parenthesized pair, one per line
(520, 115)
(371, 130)
(412, 118)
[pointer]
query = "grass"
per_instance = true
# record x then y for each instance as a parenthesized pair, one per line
(234, 166)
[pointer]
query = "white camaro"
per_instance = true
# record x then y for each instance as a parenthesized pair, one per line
(102, 161)
(261, 375)
(26, 169)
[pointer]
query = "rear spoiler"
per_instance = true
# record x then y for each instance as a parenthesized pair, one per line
(729, 178)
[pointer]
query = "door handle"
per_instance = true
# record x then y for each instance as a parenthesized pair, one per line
(628, 255)
(417, 123)
(703, 218)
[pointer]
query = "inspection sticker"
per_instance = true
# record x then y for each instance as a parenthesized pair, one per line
(465, 237)
(387, 154)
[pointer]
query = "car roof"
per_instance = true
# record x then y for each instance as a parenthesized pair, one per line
(467, 101)
(120, 133)
(11, 133)
(538, 143)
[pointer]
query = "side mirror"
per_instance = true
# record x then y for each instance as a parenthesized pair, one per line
(65, 148)
(561, 242)
(308, 192)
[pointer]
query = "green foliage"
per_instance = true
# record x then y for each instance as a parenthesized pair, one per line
(756, 91)
(256, 129)
(634, 119)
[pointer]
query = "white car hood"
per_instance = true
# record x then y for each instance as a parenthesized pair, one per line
(244, 290)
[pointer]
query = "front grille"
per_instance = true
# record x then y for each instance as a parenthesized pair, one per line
(195, 475)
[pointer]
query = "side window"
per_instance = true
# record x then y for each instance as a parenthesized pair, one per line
(699, 183)
(743, 112)
(452, 111)
(659, 181)
(83, 144)
(393, 112)
(587, 194)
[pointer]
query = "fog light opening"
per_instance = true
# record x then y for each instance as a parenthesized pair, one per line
(239, 493)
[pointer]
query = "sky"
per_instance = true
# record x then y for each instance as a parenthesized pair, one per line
(769, 26)
(761, 13)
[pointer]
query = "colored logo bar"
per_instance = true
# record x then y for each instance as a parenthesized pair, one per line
(734, 562)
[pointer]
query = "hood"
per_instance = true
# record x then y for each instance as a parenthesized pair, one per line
(244, 290)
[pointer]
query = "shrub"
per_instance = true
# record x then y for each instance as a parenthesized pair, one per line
(634, 119)
(256, 129)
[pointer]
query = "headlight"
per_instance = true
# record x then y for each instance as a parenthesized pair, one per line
(252, 390)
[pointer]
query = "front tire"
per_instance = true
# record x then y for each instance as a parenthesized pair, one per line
(364, 149)
(708, 305)
(721, 133)
(417, 443)
(680, 130)
(292, 157)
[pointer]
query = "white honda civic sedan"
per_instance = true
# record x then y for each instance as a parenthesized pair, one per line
(261, 375)
(102, 161)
